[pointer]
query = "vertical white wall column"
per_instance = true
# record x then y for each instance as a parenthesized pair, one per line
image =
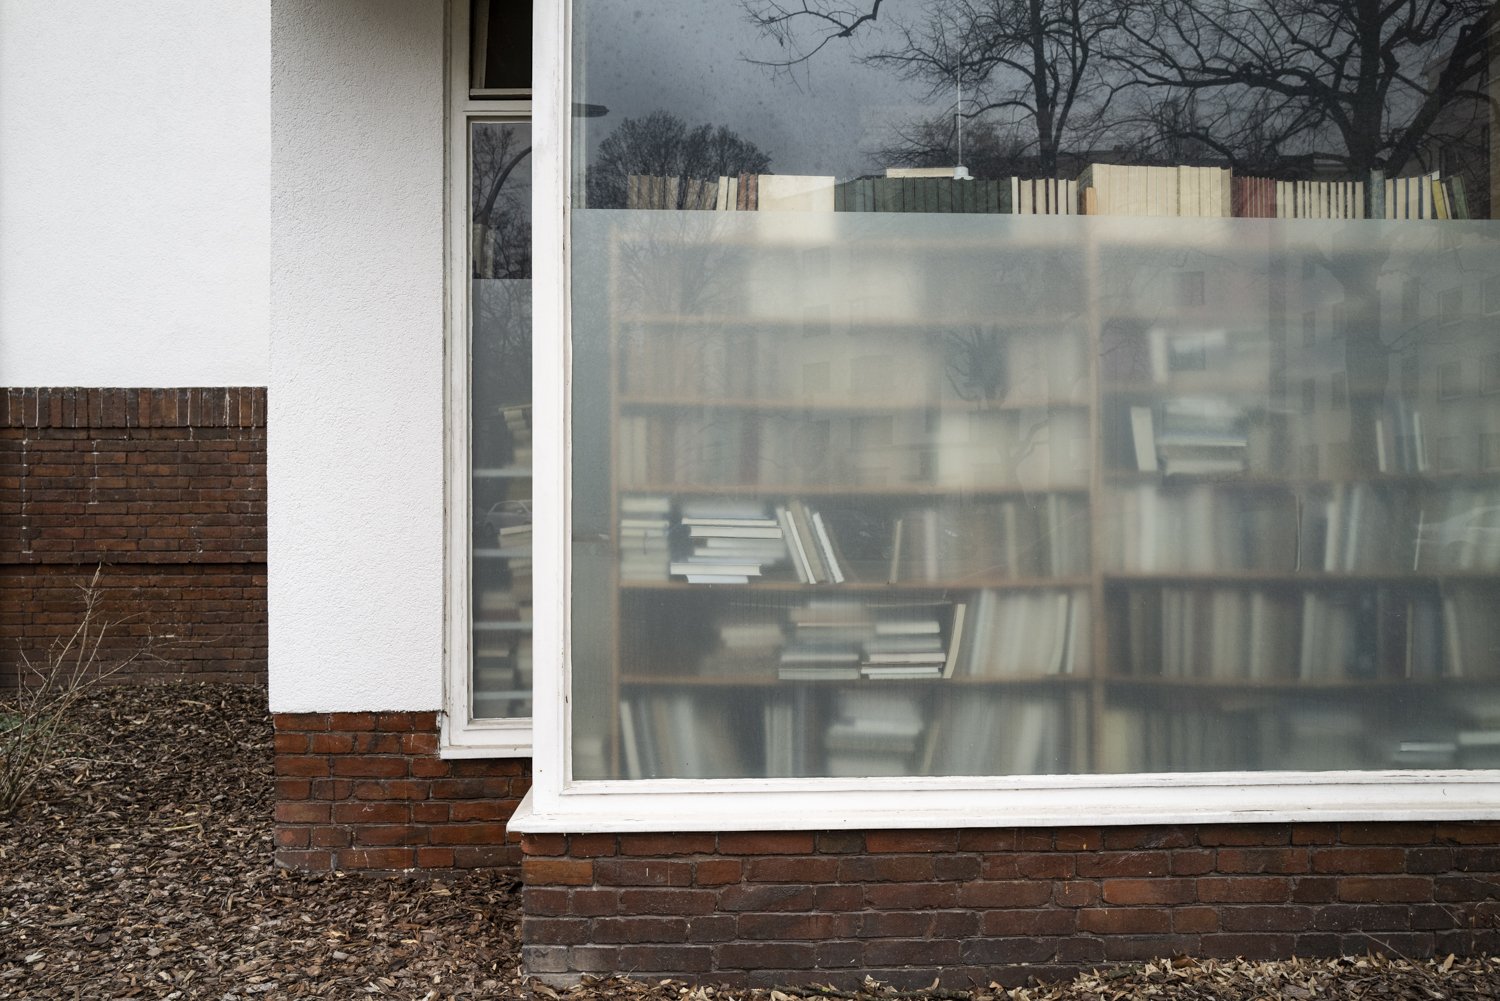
(356, 390)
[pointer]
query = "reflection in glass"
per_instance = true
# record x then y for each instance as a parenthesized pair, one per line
(945, 418)
(500, 400)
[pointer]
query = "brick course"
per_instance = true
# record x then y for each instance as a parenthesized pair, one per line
(163, 492)
(976, 905)
(368, 791)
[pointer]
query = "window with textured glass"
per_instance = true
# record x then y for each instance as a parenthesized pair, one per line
(956, 395)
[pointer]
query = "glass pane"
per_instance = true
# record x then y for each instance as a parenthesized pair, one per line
(932, 418)
(500, 395)
(500, 46)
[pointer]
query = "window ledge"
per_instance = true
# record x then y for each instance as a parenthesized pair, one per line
(836, 804)
(507, 739)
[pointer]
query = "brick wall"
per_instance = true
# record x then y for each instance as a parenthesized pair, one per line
(368, 791)
(163, 491)
(976, 905)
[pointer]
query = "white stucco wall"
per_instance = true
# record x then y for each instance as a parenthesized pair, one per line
(356, 402)
(134, 201)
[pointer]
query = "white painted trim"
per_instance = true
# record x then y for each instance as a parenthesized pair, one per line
(556, 804)
(461, 737)
(1050, 801)
(552, 514)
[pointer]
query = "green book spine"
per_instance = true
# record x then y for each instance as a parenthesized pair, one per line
(1458, 198)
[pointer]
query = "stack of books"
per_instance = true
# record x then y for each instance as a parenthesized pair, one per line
(874, 733)
(518, 427)
(748, 644)
(912, 647)
(644, 547)
(1198, 435)
(828, 635)
(731, 540)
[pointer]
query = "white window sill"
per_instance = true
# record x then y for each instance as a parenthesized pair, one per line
(835, 804)
(503, 739)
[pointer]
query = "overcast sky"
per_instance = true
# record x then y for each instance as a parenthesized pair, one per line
(691, 58)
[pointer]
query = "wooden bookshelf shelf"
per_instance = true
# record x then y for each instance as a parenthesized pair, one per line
(771, 681)
(1304, 578)
(870, 406)
(701, 489)
(481, 626)
(955, 586)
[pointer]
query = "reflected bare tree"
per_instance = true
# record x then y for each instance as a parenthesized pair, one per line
(662, 145)
(1032, 66)
(1356, 85)
(500, 227)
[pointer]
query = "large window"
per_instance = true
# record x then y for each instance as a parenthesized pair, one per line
(958, 404)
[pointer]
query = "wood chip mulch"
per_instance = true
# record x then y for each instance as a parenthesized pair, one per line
(144, 871)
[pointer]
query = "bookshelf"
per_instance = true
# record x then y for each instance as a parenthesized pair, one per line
(992, 493)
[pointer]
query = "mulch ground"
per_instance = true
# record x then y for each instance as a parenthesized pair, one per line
(143, 870)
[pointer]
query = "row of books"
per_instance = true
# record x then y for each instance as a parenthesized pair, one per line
(906, 368)
(1100, 189)
(1011, 634)
(873, 732)
(854, 732)
(1034, 448)
(1362, 527)
(1039, 537)
(1113, 189)
(1273, 635)
(1199, 528)
(1032, 538)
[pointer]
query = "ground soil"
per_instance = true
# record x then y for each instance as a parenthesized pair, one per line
(143, 870)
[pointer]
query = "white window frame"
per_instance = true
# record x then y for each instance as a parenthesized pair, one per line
(461, 736)
(558, 804)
